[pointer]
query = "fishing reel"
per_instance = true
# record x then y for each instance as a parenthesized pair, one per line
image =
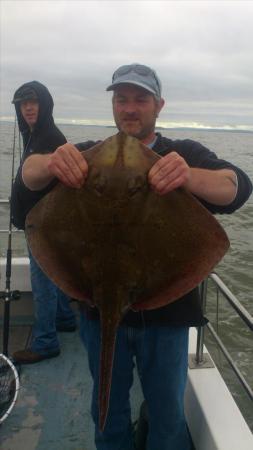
(12, 295)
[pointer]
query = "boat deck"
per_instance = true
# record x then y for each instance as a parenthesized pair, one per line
(53, 406)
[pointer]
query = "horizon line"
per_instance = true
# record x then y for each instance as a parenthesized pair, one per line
(160, 124)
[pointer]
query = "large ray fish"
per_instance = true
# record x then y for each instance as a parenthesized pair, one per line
(117, 245)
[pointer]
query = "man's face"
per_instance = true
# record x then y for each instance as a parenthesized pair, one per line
(30, 111)
(135, 111)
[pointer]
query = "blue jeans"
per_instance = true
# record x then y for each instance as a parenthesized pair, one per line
(51, 308)
(161, 355)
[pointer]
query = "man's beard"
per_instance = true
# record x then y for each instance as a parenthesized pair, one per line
(141, 132)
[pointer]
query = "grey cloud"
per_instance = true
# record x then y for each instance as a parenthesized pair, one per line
(202, 52)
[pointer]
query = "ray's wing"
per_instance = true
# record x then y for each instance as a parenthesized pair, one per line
(56, 230)
(188, 245)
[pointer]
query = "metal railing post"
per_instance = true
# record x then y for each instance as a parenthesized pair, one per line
(201, 329)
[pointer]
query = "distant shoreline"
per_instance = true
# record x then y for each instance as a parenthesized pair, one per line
(221, 130)
(158, 128)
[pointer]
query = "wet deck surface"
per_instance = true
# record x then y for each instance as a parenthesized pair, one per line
(53, 406)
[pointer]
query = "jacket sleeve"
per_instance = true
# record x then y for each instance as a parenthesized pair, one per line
(244, 190)
(22, 199)
(197, 155)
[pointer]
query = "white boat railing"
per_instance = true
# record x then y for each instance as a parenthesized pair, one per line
(242, 313)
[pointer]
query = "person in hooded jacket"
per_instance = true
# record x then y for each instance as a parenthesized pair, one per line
(34, 108)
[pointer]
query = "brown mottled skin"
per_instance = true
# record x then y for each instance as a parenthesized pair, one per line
(117, 244)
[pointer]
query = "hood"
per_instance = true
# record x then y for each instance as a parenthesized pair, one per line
(46, 104)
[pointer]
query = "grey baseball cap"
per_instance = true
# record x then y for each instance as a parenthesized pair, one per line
(139, 75)
(24, 93)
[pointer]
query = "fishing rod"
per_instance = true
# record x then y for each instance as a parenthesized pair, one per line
(8, 294)
(9, 376)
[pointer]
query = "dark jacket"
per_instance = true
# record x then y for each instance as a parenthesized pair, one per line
(44, 138)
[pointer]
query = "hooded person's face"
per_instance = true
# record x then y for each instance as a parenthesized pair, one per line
(30, 111)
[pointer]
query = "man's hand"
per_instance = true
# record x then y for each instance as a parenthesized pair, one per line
(169, 173)
(68, 165)
(215, 186)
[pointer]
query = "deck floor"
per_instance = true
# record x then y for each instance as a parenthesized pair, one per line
(53, 406)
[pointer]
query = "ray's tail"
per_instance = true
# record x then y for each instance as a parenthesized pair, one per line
(108, 340)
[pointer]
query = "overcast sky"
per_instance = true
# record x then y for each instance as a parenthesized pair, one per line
(201, 50)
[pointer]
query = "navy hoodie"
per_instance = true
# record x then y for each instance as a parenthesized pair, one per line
(44, 138)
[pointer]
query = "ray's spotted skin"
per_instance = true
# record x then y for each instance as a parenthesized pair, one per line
(118, 245)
